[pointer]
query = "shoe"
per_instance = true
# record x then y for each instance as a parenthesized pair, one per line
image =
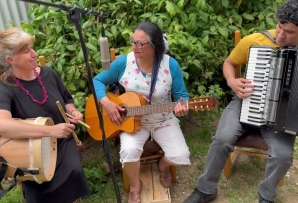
(165, 177)
(199, 197)
(135, 196)
(262, 200)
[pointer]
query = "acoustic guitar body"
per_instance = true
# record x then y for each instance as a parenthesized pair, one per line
(130, 124)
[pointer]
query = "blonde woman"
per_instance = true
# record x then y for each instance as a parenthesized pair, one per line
(29, 91)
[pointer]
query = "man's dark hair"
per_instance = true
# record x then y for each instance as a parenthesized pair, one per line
(288, 12)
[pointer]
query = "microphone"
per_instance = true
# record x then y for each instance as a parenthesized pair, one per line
(104, 53)
(104, 50)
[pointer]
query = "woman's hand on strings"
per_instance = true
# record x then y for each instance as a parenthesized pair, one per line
(112, 110)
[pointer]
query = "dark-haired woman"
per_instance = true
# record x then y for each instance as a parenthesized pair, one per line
(134, 72)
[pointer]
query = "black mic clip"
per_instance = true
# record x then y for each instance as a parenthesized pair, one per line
(73, 15)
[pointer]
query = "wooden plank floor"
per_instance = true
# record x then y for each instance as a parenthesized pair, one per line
(153, 192)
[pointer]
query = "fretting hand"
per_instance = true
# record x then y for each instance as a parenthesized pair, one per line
(180, 110)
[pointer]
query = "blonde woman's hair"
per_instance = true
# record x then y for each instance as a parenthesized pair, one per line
(12, 42)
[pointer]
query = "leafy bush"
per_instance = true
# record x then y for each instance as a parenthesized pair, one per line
(200, 34)
(95, 177)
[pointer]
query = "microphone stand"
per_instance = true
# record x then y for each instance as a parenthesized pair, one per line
(74, 14)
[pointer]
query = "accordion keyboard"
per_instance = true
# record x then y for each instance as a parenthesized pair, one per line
(257, 70)
(274, 101)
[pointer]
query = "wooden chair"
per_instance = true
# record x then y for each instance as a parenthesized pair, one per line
(42, 60)
(151, 152)
(252, 139)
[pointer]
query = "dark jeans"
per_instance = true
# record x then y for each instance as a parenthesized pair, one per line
(229, 129)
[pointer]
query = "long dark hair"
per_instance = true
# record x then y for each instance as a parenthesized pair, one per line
(156, 40)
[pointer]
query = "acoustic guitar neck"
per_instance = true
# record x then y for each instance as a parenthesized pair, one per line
(153, 108)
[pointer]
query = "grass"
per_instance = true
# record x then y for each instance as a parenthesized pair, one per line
(13, 196)
(241, 187)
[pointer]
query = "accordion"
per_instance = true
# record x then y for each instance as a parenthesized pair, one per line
(274, 100)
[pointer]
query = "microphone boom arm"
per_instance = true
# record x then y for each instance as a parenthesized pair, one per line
(68, 8)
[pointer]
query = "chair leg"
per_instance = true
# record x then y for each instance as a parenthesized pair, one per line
(173, 173)
(21, 188)
(228, 169)
(282, 182)
(125, 181)
(228, 166)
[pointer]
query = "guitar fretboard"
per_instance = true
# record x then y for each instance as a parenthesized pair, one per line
(150, 109)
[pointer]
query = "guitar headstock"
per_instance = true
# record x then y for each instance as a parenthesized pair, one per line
(202, 103)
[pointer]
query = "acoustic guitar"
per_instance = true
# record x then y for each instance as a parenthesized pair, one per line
(135, 106)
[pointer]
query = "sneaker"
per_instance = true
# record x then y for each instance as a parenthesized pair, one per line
(262, 200)
(199, 197)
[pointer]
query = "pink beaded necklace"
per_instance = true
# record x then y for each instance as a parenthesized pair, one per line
(44, 92)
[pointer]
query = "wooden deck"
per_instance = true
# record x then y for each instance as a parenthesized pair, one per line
(153, 192)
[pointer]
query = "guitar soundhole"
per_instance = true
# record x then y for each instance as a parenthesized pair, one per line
(123, 114)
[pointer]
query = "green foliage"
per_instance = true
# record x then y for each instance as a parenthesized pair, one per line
(13, 196)
(95, 177)
(200, 35)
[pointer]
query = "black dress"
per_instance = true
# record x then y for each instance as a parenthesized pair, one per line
(69, 182)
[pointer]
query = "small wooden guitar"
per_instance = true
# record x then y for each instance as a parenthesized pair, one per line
(135, 106)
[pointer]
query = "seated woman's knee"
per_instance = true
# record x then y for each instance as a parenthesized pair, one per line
(179, 156)
(131, 153)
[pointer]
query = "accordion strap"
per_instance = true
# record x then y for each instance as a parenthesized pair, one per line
(265, 32)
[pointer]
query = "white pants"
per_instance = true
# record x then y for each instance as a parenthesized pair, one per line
(170, 139)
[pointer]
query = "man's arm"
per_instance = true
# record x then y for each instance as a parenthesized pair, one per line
(236, 84)
(229, 70)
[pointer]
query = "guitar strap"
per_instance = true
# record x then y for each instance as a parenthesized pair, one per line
(273, 39)
(115, 86)
(265, 32)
